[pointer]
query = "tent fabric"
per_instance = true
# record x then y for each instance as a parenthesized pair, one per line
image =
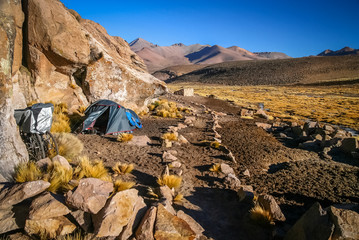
(35, 119)
(109, 117)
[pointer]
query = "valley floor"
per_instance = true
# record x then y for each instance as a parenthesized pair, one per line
(296, 178)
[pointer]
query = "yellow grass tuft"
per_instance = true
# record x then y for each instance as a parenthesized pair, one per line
(59, 178)
(166, 109)
(215, 144)
(153, 193)
(27, 172)
(69, 146)
(261, 216)
(215, 168)
(170, 136)
(123, 168)
(73, 236)
(60, 123)
(124, 137)
(120, 185)
(172, 181)
(81, 109)
(88, 169)
(178, 197)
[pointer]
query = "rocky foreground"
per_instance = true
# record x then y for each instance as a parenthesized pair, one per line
(306, 193)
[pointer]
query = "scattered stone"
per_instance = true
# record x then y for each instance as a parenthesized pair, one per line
(173, 129)
(349, 145)
(19, 192)
(355, 155)
(146, 227)
(166, 194)
(246, 193)
(181, 126)
(176, 164)
(18, 236)
(317, 137)
(246, 173)
(328, 128)
(232, 181)
(182, 139)
(226, 169)
(90, 195)
(140, 141)
(309, 127)
(297, 130)
(189, 120)
(167, 143)
(83, 219)
(265, 126)
(268, 203)
(63, 161)
(346, 222)
(314, 224)
(51, 227)
(173, 152)
(116, 213)
(178, 171)
(195, 226)
(166, 156)
(231, 157)
(139, 210)
(261, 113)
(47, 206)
(310, 145)
(166, 171)
(187, 92)
(169, 226)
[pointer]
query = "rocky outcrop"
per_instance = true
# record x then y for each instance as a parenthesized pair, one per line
(12, 150)
(73, 60)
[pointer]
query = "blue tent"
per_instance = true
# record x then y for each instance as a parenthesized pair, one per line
(108, 117)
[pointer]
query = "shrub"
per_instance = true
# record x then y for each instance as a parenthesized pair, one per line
(215, 168)
(69, 146)
(59, 178)
(172, 181)
(81, 109)
(120, 185)
(123, 168)
(261, 216)
(170, 136)
(60, 123)
(27, 172)
(166, 109)
(124, 137)
(88, 169)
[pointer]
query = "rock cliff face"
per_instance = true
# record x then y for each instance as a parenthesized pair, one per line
(49, 53)
(73, 60)
(12, 150)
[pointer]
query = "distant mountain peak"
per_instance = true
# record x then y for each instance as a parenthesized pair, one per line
(344, 51)
(140, 43)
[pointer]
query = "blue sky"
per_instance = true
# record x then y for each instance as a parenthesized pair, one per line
(298, 28)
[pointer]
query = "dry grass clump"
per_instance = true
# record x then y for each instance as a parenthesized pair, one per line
(69, 146)
(81, 109)
(215, 144)
(261, 216)
(153, 193)
(215, 168)
(178, 197)
(120, 185)
(61, 120)
(169, 136)
(59, 178)
(73, 236)
(124, 137)
(91, 169)
(123, 168)
(166, 109)
(172, 181)
(27, 172)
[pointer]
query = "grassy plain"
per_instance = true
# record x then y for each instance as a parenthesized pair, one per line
(338, 104)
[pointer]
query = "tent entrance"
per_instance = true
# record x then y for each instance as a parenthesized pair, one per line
(101, 122)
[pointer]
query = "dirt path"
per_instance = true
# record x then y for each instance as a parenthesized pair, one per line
(296, 178)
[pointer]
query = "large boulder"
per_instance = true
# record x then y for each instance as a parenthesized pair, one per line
(19, 192)
(313, 225)
(13, 218)
(74, 60)
(169, 226)
(12, 149)
(90, 195)
(47, 206)
(146, 226)
(268, 203)
(346, 221)
(117, 213)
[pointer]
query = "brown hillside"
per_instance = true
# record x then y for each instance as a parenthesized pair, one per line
(279, 71)
(176, 71)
